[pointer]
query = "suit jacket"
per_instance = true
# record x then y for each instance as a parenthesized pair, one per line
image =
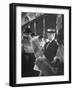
(50, 50)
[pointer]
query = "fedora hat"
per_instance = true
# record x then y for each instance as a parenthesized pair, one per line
(51, 30)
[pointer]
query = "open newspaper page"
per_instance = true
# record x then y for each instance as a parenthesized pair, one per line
(37, 51)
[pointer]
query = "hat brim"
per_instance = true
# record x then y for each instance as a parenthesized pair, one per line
(51, 31)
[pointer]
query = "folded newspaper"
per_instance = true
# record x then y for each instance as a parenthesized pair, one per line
(37, 51)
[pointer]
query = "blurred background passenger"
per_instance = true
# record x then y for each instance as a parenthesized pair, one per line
(28, 57)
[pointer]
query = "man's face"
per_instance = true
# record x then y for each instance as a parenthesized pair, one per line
(50, 36)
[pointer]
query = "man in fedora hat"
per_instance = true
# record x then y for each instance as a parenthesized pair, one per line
(50, 50)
